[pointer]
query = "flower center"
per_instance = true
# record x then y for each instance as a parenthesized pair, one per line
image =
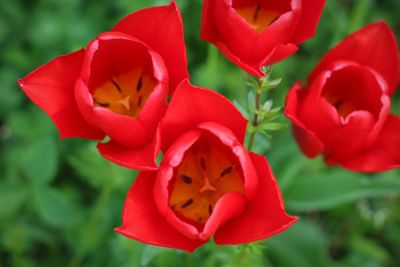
(125, 93)
(258, 16)
(351, 89)
(206, 173)
(343, 106)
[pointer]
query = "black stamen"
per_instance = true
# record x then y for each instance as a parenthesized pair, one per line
(187, 203)
(226, 171)
(203, 164)
(255, 16)
(139, 84)
(139, 101)
(186, 179)
(116, 85)
(101, 104)
(210, 209)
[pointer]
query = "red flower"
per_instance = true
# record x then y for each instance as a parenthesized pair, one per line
(344, 111)
(255, 33)
(207, 184)
(117, 86)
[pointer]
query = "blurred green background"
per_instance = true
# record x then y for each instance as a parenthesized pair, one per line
(59, 200)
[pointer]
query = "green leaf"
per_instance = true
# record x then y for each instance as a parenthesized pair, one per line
(149, 253)
(40, 161)
(12, 197)
(325, 190)
(272, 126)
(303, 245)
(52, 206)
(97, 170)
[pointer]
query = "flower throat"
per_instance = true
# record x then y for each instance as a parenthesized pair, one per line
(205, 174)
(125, 93)
(258, 16)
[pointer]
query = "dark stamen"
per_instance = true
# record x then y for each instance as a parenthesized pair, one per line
(275, 19)
(255, 16)
(139, 84)
(187, 203)
(203, 164)
(186, 179)
(139, 101)
(210, 209)
(226, 171)
(101, 104)
(116, 85)
(338, 104)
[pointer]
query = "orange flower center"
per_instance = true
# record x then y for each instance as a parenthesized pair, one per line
(258, 16)
(206, 173)
(125, 93)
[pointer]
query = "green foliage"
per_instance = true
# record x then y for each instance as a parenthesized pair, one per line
(59, 200)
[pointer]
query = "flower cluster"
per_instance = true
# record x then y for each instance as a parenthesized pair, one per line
(130, 90)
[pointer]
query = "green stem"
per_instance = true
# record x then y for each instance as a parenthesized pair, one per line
(255, 120)
(260, 87)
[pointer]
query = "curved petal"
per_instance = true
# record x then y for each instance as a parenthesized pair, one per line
(263, 217)
(306, 139)
(143, 222)
(51, 87)
(191, 106)
(141, 158)
(278, 53)
(241, 43)
(384, 155)
(172, 159)
(351, 138)
(374, 46)
(228, 207)
(311, 11)
(161, 29)
(316, 113)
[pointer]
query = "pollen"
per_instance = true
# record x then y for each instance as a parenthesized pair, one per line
(208, 171)
(258, 16)
(125, 93)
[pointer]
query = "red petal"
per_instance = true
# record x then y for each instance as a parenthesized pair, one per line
(374, 46)
(191, 106)
(228, 207)
(351, 137)
(51, 87)
(278, 53)
(263, 217)
(307, 140)
(172, 159)
(311, 11)
(161, 29)
(241, 43)
(143, 222)
(141, 158)
(384, 155)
